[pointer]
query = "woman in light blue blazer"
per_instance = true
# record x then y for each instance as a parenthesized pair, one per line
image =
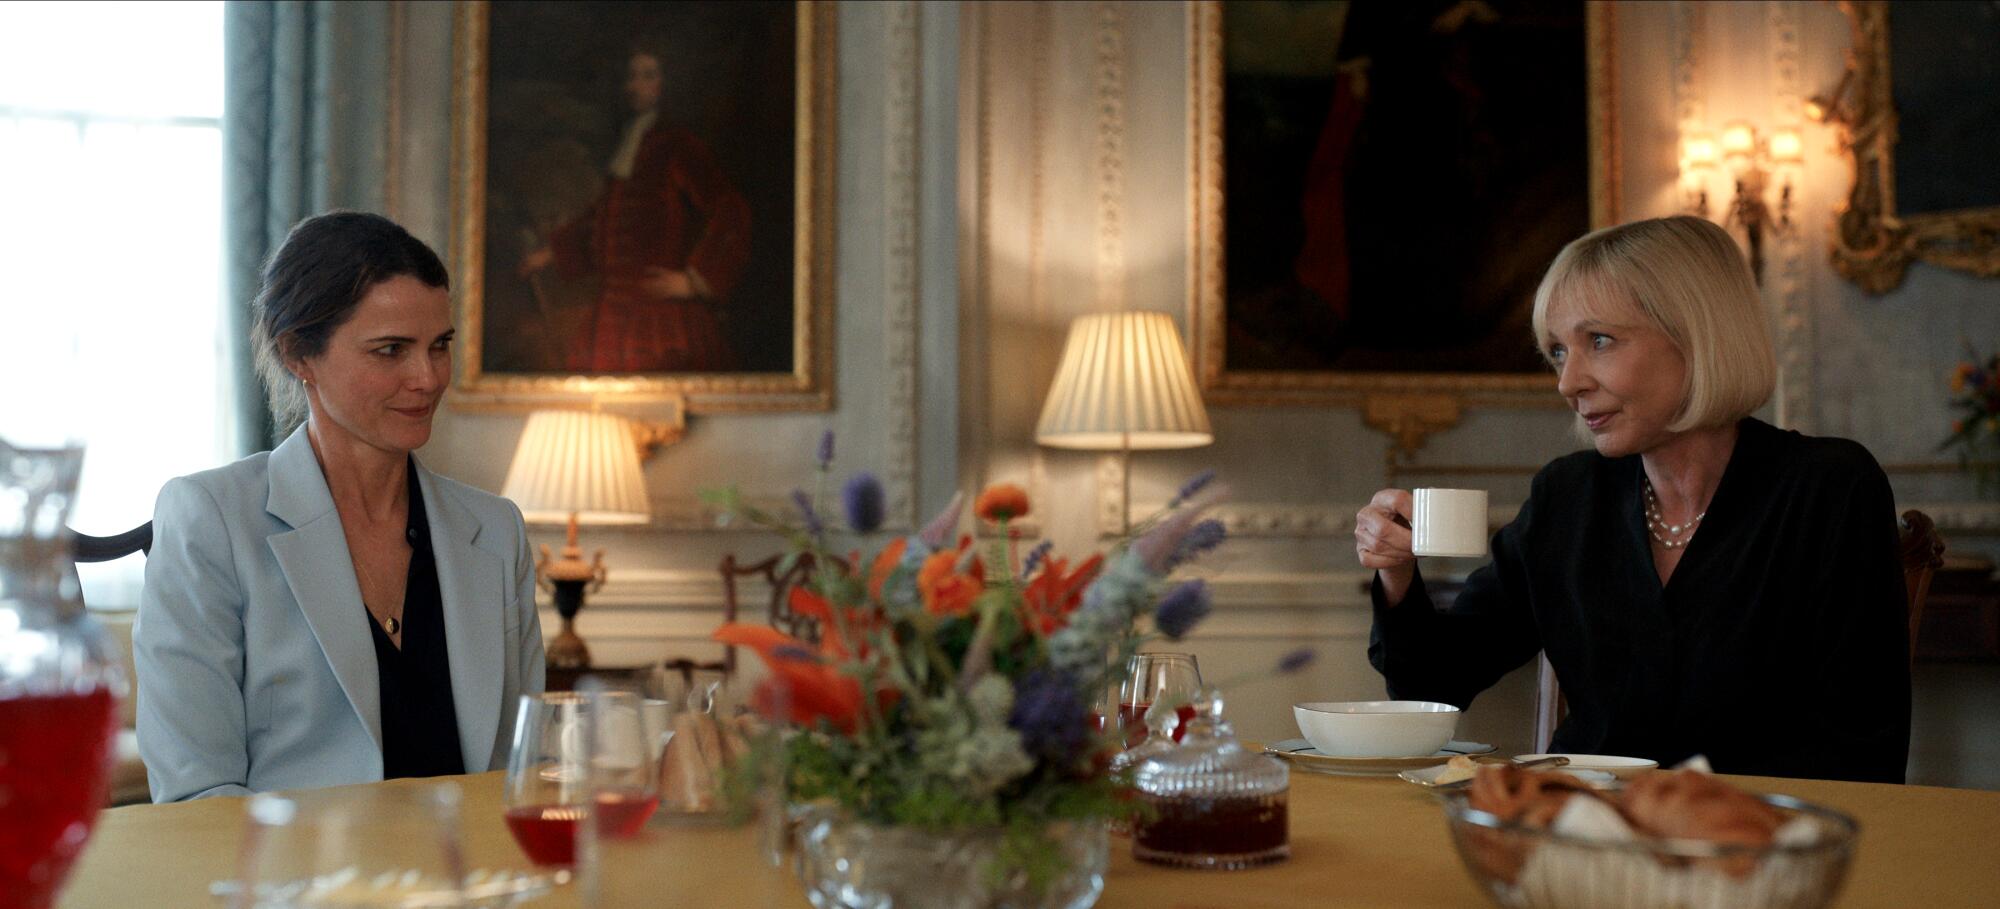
(331, 612)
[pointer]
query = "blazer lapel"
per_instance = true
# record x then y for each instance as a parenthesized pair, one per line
(469, 582)
(320, 571)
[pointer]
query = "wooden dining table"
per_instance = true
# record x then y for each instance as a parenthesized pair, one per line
(1376, 842)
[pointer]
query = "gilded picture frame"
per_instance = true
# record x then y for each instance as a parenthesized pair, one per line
(1394, 393)
(1874, 242)
(805, 383)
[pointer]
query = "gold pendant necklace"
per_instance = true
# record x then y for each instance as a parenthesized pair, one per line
(392, 626)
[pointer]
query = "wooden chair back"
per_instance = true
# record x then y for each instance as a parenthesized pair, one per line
(1922, 552)
(779, 577)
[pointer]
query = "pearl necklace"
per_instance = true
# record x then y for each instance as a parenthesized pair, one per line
(1669, 535)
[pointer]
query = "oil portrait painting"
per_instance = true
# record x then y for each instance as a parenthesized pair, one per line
(645, 196)
(1381, 185)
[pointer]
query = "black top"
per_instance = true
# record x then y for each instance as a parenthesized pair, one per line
(1779, 647)
(419, 720)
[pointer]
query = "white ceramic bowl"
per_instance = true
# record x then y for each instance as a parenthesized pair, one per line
(1623, 768)
(1376, 729)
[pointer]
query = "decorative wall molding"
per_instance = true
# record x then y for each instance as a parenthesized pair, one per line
(1690, 101)
(1787, 281)
(642, 612)
(664, 590)
(901, 197)
(1111, 503)
(1110, 98)
(1969, 518)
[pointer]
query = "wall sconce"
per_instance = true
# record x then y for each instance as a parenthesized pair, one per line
(1832, 106)
(1752, 165)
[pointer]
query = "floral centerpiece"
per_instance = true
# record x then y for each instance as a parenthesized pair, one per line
(951, 697)
(1975, 399)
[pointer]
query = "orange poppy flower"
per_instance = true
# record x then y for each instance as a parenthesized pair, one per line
(860, 622)
(885, 565)
(797, 690)
(1001, 502)
(1048, 600)
(945, 591)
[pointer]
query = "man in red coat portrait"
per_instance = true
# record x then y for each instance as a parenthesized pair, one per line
(668, 236)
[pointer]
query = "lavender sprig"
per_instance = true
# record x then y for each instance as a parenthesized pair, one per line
(825, 455)
(1200, 538)
(1182, 608)
(1194, 484)
(1296, 660)
(804, 503)
(1035, 557)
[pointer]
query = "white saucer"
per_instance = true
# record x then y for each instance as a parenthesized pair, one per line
(1623, 768)
(1301, 754)
(1427, 776)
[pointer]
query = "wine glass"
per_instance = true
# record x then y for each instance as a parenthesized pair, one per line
(578, 756)
(391, 846)
(1154, 677)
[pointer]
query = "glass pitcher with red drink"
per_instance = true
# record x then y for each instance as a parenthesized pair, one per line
(59, 685)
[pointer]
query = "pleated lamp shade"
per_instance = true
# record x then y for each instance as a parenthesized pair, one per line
(1124, 384)
(571, 461)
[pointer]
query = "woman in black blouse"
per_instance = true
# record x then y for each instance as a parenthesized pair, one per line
(1702, 582)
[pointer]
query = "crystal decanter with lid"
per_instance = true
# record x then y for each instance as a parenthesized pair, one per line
(58, 685)
(1212, 803)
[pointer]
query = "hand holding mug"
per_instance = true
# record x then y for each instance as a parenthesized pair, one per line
(1382, 540)
(1397, 526)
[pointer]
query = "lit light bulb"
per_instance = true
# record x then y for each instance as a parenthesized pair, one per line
(1787, 147)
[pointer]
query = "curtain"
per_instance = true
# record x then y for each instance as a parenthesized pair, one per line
(305, 128)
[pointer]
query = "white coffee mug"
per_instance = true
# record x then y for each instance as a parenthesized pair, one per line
(1449, 522)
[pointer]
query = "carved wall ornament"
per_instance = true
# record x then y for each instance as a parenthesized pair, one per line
(1873, 245)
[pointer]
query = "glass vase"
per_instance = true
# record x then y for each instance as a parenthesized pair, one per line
(59, 685)
(847, 864)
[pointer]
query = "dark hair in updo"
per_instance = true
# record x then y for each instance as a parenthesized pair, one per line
(311, 287)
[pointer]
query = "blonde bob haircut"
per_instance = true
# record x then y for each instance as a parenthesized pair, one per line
(1686, 277)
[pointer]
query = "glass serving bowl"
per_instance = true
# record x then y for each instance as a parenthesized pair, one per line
(1532, 868)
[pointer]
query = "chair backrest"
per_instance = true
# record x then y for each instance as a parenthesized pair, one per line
(1922, 552)
(779, 575)
(86, 548)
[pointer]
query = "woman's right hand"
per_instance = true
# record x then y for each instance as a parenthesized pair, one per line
(1382, 541)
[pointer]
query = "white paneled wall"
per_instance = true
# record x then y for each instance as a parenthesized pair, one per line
(994, 157)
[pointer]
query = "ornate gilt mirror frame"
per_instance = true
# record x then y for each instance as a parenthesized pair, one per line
(809, 383)
(1406, 405)
(1873, 246)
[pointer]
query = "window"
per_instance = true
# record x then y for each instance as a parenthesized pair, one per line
(111, 252)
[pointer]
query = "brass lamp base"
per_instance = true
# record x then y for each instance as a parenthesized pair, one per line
(566, 580)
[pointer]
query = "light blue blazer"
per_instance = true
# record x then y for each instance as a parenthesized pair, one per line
(256, 668)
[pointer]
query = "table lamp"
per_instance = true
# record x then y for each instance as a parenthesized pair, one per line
(1124, 385)
(583, 468)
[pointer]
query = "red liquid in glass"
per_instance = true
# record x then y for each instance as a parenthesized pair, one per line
(620, 814)
(1132, 719)
(547, 833)
(55, 757)
(1238, 830)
